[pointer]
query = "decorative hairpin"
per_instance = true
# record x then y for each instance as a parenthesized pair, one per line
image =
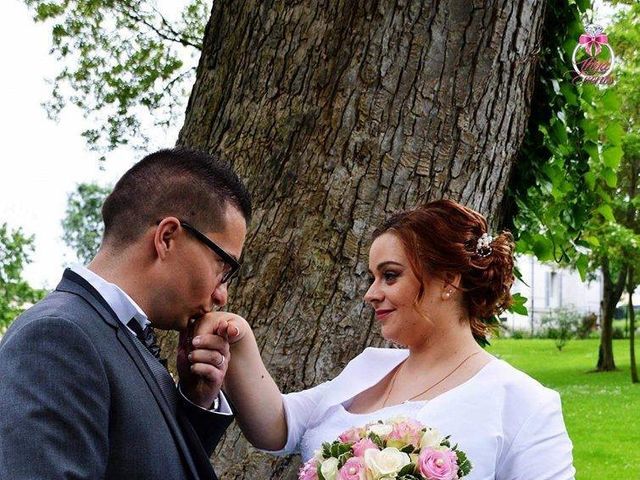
(483, 247)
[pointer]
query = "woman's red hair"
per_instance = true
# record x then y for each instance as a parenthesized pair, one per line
(440, 239)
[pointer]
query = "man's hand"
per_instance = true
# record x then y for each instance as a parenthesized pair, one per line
(203, 357)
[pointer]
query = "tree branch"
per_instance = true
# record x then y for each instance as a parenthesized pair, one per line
(174, 37)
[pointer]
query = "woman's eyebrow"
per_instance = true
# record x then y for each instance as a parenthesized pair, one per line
(381, 265)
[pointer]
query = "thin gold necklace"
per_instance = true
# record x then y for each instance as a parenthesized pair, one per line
(395, 374)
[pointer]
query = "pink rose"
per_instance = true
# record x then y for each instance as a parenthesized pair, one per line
(350, 436)
(353, 469)
(438, 464)
(406, 432)
(361, 445)
(309, 470)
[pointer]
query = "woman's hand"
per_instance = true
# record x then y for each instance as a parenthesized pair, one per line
(228, 325)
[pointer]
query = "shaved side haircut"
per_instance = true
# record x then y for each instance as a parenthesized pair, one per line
(191, 185)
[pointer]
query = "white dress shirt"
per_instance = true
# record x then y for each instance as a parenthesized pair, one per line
(125, 309)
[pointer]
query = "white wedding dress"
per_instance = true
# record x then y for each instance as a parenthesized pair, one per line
(510, 426)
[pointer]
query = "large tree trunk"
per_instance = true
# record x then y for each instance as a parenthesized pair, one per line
(612, 291)
(337, 113)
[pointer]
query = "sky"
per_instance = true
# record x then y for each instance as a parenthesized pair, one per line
(42, 161)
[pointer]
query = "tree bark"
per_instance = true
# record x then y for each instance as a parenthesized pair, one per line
(631, 285)
(336, 114)
(612, 291)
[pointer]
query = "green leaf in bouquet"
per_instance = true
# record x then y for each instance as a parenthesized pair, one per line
(445, 442)
(326, 449)
(464, 465)
(342, 459)
(376, 439)
(338, 448)
(408, 469)
(410, 477)
(408, 449)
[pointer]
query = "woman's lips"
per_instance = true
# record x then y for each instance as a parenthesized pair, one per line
(382, 313)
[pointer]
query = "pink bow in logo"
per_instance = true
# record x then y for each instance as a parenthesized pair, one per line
(591, 43)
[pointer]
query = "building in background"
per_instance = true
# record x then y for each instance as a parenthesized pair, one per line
(548, 287)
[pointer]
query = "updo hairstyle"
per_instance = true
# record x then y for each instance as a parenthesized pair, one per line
(441, 239)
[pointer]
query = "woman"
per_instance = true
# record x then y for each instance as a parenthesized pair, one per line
(435, 275)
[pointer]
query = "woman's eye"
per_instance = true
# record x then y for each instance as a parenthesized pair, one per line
(389, 276)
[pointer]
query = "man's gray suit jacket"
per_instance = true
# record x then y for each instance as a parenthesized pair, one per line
(79, 401)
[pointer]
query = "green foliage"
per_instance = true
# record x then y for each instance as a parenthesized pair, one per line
(377, 440)
(407, 471)
(409, 476)
(120, 59)
(519, 334)
(555, 184)
(576, 185)
(561, 325)
(464, 464)
(15, 293)
(587, 325)
(82, 223)
(518, 305)
(335, 449)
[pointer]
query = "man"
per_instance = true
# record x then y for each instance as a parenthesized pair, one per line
(81, 394)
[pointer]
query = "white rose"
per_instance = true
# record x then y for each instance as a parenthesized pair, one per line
(329, 468)
(430, 438)
(385, 463)
(380, 429)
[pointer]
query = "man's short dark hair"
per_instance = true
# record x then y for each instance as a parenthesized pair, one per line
(190, 185)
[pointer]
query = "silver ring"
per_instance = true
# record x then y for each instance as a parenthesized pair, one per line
(219, 364)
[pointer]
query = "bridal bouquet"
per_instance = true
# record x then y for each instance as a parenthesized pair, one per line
(397, 449)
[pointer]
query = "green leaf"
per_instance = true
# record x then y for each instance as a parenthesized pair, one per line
(542, 248)
(614, 133)
(606, 211)
(590, 129)
(558, 133)
(592, 149)
(464, 465)
(592, 241)
(610, 177)
(590, 179)
(611, 100)
(582, 264)
(611, 156)
(407, 469)
(408, 449)
(377, 440)
(518, 305)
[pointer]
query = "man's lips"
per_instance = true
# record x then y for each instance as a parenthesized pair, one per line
(382, 313)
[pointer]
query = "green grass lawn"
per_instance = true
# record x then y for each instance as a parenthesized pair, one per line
(601, 410)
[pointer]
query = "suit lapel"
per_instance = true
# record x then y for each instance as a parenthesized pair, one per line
(75, 284)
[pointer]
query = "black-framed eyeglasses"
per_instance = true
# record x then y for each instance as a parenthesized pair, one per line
(232, 263)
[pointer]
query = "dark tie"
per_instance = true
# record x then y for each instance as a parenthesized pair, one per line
(148, 338)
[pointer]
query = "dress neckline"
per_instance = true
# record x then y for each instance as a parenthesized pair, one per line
(418, 403)
(465, 384)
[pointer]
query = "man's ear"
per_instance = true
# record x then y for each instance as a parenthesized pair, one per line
(165, 235)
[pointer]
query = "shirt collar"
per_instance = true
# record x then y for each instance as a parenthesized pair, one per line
(121, 303)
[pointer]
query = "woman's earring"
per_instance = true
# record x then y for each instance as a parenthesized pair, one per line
(447, 294)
